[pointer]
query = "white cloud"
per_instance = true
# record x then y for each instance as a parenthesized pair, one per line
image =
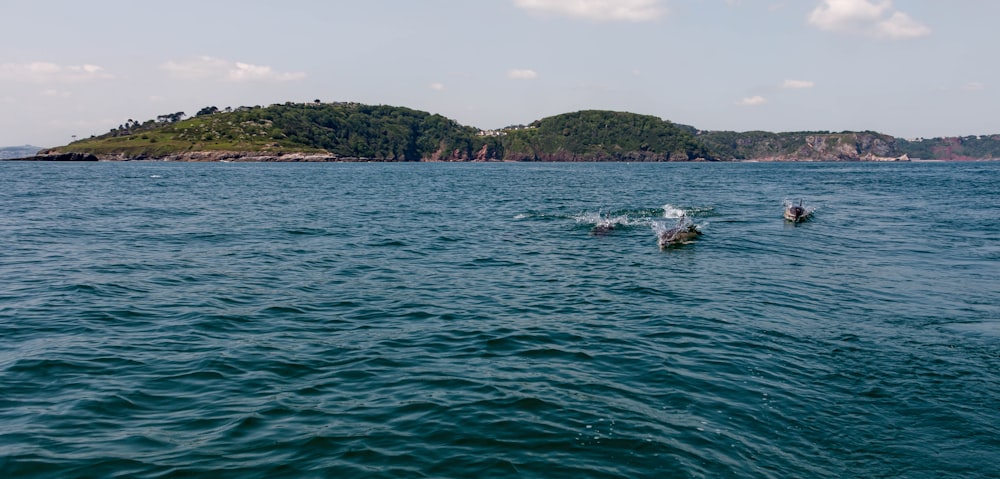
(45, 72)
(599, 10)
(206, 68)
(248, 72)
(836, 15)
(974, 86)
(197, 68)
(436, 86)
(901, 25)
(752, 101)
(517, 74)
(876, 18)
(793, 84)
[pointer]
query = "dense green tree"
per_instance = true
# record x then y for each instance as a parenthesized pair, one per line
(171, 117)
(208, 110)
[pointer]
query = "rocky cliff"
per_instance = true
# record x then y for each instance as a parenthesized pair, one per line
(59, 156)
(801, 146)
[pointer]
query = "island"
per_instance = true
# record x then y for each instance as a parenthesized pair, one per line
(348, 131)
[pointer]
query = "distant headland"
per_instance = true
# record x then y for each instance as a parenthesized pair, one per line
(344, 131)
(9, 152)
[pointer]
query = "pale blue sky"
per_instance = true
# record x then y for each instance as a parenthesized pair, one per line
(905, 67)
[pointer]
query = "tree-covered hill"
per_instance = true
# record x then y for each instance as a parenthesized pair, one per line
(597, 135)
(344, 130)
(387, 133)
(352, 131)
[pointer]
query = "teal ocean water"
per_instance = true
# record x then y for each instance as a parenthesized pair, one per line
(227, 320)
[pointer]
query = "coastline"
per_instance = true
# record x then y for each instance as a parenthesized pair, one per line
(302, 157)
(325, 157)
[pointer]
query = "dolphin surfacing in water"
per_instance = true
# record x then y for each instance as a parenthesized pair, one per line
(683, 232)
(602, 228)
(797, 213)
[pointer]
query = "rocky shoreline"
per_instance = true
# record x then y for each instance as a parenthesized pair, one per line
(300, 157)
(199, 156)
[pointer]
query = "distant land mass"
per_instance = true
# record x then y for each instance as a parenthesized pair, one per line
(9, 152)
(346, 131)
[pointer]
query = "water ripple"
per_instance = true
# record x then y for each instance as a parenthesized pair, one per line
(332, 326)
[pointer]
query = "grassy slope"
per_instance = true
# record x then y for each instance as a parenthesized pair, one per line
(218, 132)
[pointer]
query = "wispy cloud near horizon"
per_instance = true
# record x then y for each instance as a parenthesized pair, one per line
(208, 67)
(46, 72)
(798, 84)
(755, 100)
(599, 10)
(522, 74)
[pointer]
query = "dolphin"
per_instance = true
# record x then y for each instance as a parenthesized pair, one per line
(684, 231)
(796, 213)
(602, 228)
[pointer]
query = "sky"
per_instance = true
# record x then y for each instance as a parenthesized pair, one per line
(908, 68)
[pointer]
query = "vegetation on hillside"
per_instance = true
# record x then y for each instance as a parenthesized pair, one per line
(388, 133)
(954, 148)
(348, 130)
(846, 145)
(597, 135)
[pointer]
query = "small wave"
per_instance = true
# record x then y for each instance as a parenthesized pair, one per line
(602, 221)
(985, 328)
(611, 220)
(675, 212)
(388, 243)
(306, 231)
(537, 215)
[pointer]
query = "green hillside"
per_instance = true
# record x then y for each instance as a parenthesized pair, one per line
(347, 130)
(388, 133)
(596, 135)
(352, 131)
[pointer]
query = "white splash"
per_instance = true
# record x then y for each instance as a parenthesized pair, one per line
(600, 219)
(671, 211)
(810, 209)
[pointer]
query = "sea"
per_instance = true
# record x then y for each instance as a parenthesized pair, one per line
(499, 320)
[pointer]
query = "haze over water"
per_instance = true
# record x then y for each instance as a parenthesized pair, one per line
(462, 320)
